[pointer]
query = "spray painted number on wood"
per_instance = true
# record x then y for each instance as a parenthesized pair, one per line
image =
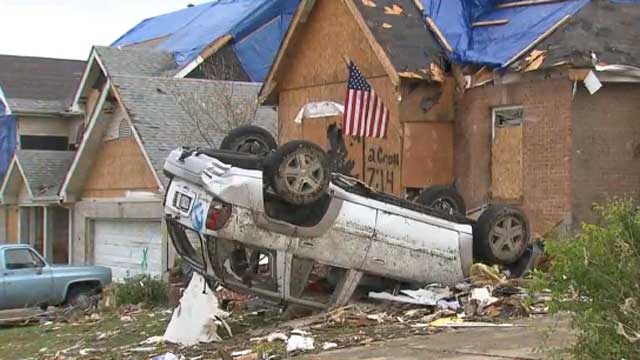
(380, 179)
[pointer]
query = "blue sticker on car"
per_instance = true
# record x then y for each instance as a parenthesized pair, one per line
(198, 216)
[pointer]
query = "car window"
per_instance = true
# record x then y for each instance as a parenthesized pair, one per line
(22, 259)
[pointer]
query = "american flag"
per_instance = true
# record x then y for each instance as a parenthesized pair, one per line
(364, 112)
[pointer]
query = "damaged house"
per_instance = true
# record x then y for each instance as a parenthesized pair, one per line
(530, 103)
(37, 139)
(136, 115)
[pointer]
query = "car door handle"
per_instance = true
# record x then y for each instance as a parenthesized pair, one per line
(308, 243)
(379, 261)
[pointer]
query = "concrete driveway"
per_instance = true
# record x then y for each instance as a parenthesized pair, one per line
(519, 343)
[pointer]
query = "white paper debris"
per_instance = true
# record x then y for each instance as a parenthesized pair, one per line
(592, 83)
(329, 345)
(240, 353)
(427, 296)
(299, 341)
(483, 296)
(166, 356)
(319, 109)
(153, 340)
(194, 320)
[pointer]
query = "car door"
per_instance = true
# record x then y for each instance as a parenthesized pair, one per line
(27, 279)
(414, 247)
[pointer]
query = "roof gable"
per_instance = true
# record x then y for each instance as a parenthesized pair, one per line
(44, 170)
(54, 80)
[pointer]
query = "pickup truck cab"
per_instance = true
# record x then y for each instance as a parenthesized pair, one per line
(26, 279)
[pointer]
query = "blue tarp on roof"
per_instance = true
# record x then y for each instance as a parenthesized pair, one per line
(494, 45)
(8, 135)
(191, 30)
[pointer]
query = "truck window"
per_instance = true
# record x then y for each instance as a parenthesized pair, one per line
(22, 259)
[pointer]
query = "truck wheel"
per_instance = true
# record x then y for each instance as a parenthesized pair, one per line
(249, 139)
(299, 172)
(501, 235)
(79, 297)
(444, 198)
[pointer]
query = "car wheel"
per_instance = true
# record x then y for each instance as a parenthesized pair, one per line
(299, 172)
(80, 297)
(501, 235)
(444, 198)
(249, 139)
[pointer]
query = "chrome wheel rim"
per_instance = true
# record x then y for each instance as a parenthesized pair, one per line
(507, 237)
(303, 173)
(445, 206)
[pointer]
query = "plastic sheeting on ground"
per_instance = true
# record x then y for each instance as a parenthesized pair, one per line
(257, 28)
(196, 318)
(494, 45)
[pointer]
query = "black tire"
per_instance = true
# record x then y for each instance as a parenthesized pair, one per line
(312, 180)
(444, 198)
(80, 297)
(506, 246)
(249, 139)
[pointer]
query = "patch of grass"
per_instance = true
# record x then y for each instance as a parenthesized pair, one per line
(141, 289)
(39, 341)
(595, 275)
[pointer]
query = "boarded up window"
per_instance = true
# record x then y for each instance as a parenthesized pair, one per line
(506, 153)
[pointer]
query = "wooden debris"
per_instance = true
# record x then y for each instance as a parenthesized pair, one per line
(525, 3)
(369, 3)
(482, 76)
(490, 22)
(393, 10)
(534, 60)
(410, 75)
(436, 72)
(387, 26)
(578, 74)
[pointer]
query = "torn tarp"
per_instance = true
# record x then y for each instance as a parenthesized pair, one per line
(256, 26)
(494, 45)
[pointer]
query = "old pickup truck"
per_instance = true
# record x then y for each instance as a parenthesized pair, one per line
(26, 279)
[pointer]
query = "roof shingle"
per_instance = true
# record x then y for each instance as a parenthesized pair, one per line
(44, 170)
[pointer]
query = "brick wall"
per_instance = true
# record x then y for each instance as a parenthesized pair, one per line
(606, 146)
(546, 147)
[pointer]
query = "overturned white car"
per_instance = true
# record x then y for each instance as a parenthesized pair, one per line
(259, 219)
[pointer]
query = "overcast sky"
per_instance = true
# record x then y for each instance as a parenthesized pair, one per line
(68, 28)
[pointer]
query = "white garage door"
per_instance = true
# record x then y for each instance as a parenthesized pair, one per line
(129, 247)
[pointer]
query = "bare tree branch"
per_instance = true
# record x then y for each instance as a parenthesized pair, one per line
(221, 109)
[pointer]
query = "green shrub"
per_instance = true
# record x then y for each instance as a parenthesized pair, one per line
(141, 289)
(596, 276)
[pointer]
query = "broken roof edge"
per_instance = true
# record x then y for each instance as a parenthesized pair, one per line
(207, 52)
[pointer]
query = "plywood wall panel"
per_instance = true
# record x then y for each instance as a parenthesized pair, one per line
(317, 51)
(119, 166)
(427, 154)
(506, 163)
(13, 214)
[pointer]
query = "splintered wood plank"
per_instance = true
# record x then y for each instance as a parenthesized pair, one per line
(506, 163)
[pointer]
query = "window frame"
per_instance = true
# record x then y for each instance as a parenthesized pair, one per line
(496, 109)
(38, 260)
